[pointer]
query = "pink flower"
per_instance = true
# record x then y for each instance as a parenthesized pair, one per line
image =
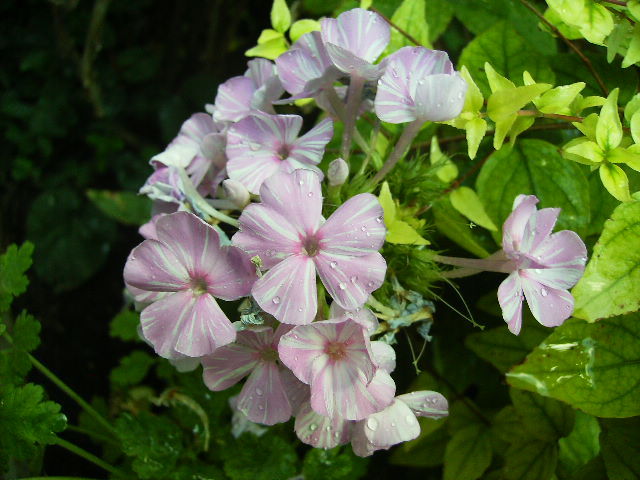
(271, 392)
(545, 265)
(256, 90)
(260, 145)
(187, 264)
(419, 84)
(355, 40)
(335, 359)
(287, 233)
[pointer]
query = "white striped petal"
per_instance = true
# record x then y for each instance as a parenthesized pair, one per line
(152, 266)
(395, 424)
(361, 315)
(565, 256)
(440, 97)
(510, 297)
(319, 431)
(227, 366)
(233, 100)
(309, 148)
(300, 347)
(426, 403)
(263, 398)
(550, 306)
(362, 32)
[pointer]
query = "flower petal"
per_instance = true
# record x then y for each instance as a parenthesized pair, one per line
(426, 403)
(550, 306)
(152, 266)
(384, 355)
(233, 274)
(297, 392)
(538, 228)
(300, 347)
(395, 424)
(260, 70)
(227, 366)
(233, 100)
(510, 297)
(350, 280)
(321, 432)
(263, 399)
(288, 291)
(350, 63)
(564, 253)
(309, 148)
(440, 97)
(361, 315)
(382, 388)
(513, 229)
(355, 228)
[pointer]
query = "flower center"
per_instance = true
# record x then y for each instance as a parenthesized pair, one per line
(311, 246)
(198, 285)
(336, 350)
(269, 355)
(284, 152)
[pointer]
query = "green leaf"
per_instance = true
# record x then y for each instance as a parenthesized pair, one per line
(438, 15)
(615, 180)
(468, 453)
(592, 366)
(475, 131)
(410, 17)
(609, 284)
(507, 424)
(13, 264)
(124, 207)
(602, 205)
(467, 202)
(583, 150)
(594, 21)
(581, 446)
(26, 420)
(271, 49)
(506, 102)
(450, 223)
(633, 53)
(447, 171)
(559, 99)
(154, 442)
(280, 16)
(530, 459)
(425, 451)
(248, 459)
(132, 369)
(634, 8)
(620, 441)
(398, 231)
(26, 332)
(502, 348)
(301, 27)
(125, 326)
(507, 52)
(334, 464)
(609, 128)
(534, 167)
(544, 418)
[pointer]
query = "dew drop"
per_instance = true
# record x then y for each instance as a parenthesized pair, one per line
(372, 424)
(259, 391)
(354, 279)
(328, 428)
(300, 182)
(310, 194)
(379, 219)
(254, 147)
(336, 434)
(313, 427)
(410, 419)
(276, 300)
(370, 284)
(421, 82)
(333, 264)
(438, 105)
(363, 228)
(300, 309)
(543, 292)
(460, 95)
(342, 286)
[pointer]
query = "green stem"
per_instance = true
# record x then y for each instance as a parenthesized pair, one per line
(372, 146)
(555, 116)
(92, 434)
(200, 204)
(408, 134)
(66, 389)
(89, 457)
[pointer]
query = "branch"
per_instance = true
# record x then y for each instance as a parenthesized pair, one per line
(403, 32)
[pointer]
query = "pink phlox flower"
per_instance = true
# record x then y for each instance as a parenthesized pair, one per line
(260, 145)
(361, 315)
(241, 424)
(257, 89)
(271, 392)
(287, 232)
(189, 266)
(545, 265)
(336, 360)
(419, 84)
(397, 423)
(306, 69)
(355, 40)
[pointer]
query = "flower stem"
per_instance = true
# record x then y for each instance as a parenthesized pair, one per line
(460, 272)
(199, 204)
(372, 146)
(336, 103)
(92, 434)
(408, 134)
(73, 395)
(556, 116)
(89, 457)
(484, 264)
(354, 98)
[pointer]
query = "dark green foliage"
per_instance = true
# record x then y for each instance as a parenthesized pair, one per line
(247, 458)
(334, 464)
(132, 369)
(13, 264)
(125, 326)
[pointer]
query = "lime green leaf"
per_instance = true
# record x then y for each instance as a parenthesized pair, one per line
(594, 21)
(615, 181)
(334, 464)
(582, 444)
(124, 207)
(634, 8)
(534, 167)
(559, 99)
(269, 34)
(583, 150)
(507, 52)
(125, 326)
(467, 202)
(609, 128)
(592, 366)
(633, 52)
(570, 32)
(530, 459)
(620, 446)
(504, 102)
(13, 265)
(26, 420)
(502, 348)
(632, 107)
(582, 103)
(447, 171)
(475, 131)
(410, 17)
(132, 369)
(608, 286)
(602, 205)
(280, 16)
(269, 50)
(468, 453)
(497, 81)
(634, 124)
(474, 100)
(388, 205)
(398, 231)
(544, 418)
(365, 4)
(456, 227)
(301, 27)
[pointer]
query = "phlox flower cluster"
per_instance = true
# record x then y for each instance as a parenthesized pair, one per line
(286, 258)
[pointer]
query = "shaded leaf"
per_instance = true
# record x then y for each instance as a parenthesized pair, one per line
(124, 207)
(468, 453)
(544, 418)
(13, 265)
(620, 441)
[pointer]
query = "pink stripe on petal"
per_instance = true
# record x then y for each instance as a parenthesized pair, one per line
(233, 275)
(538, 228)
(260, 70)
(233, 100)
(395, 424)
(353, 65)
(300, 347)
(152, 266)
(355, 228)
(227, 366)
(513, 229)
(321, 432)
(361, 315)
(350, 280)
(384, 355)
(309, 148)
(510, 297)
(426, 403)
(288, 291)
(382, 389)
(259, 338)
(263, 399)
(297, 392)
(550, 306)
(565, 255)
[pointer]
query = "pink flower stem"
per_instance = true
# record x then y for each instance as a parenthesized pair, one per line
(408, 134)
(478, 264)
(460, 272)
(353, 106)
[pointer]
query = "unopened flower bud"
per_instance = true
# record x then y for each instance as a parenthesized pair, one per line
(338, 172)
(236, 193)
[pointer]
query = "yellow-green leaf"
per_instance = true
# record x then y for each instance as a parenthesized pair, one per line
(448, 170)
(474, 100)
(280, 16)
(301, 27)
(467, 202)
(504, 102)
(269, 50)
(475, 130)
(615, 181)
(583, 150)
(398, 232)
(410, 17)
(609, 128)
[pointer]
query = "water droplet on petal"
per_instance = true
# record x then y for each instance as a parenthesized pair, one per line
(313, 427)
(310, 194)
(379, 219)
(300, 182)
(370, 284)
(354, 279)
(543, 292)
(410, 419)
(342, 286)
(276, 300)
(333, 264)
(393, 424)
(363, 228)
(372, 424)
(259, 391)
(300, 309)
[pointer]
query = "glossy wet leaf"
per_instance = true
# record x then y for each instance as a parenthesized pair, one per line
(610, 283)
(580, 446)
(594, 367)
(544, 418)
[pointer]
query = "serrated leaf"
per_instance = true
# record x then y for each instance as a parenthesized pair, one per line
(592, 366)
(26, 332)
(544, 418)
(609, 284)
(620, 441)
(468, 453)
(13, 264)
(280, 16)
(132, 369)
(248, 459)
(125, 326)
(530, 459)
(410, 17)
(467, 202)
(609, 128)
(581, 446)
(125, 207)
(534, 167)
(301, 27)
